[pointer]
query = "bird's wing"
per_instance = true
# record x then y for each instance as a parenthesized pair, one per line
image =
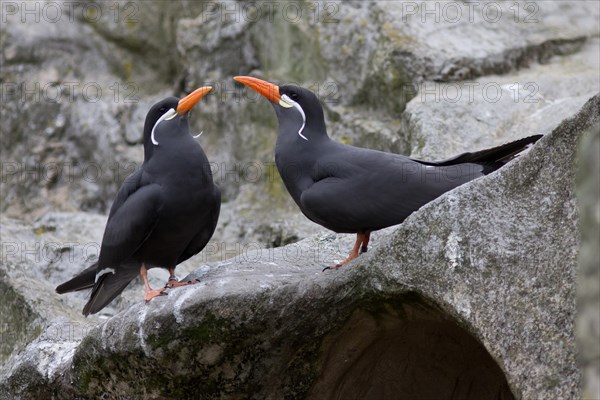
(369, 190)
(126, 230)
(87, 278)
(202, 238)
(132, 183)
(130, 224)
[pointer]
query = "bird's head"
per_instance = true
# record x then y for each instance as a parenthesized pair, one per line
(298, 110)
(166, 110)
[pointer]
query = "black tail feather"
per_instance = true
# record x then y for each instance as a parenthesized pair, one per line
(503, 153)
(491, 159)
(83, 280)
(109, 286)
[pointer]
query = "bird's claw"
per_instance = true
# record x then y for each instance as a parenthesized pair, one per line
(155, 293)
(173, 283)
(336, 266)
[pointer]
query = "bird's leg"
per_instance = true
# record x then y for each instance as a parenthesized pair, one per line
(365, 243)
(173, 282)
(361, 238)
(150, 293)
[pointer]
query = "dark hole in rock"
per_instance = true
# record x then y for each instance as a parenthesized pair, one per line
(412, 351)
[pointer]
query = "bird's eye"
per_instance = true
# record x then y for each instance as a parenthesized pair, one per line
(294, 96)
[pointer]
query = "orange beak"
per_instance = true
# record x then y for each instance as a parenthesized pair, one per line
(191, 99)
(265, 88)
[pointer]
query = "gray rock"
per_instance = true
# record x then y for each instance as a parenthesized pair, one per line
(450, 41)
(378, 52)
(250, 221)
(365, 60)
(588, 291)
(35, 258)
(526, 274)
(489, 267)
(451, 118)
(370, 63)
(62, 142)
(52, 249)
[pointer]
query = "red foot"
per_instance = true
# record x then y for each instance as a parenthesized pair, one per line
(351, 257)
(173, 283)
(150, 294)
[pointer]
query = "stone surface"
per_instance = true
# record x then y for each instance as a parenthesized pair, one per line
(541, 244)
(385, 73)
(366, 61)
(450, 41)
(35, 258)
(493, 261)
(496, 109)
(588, 292)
